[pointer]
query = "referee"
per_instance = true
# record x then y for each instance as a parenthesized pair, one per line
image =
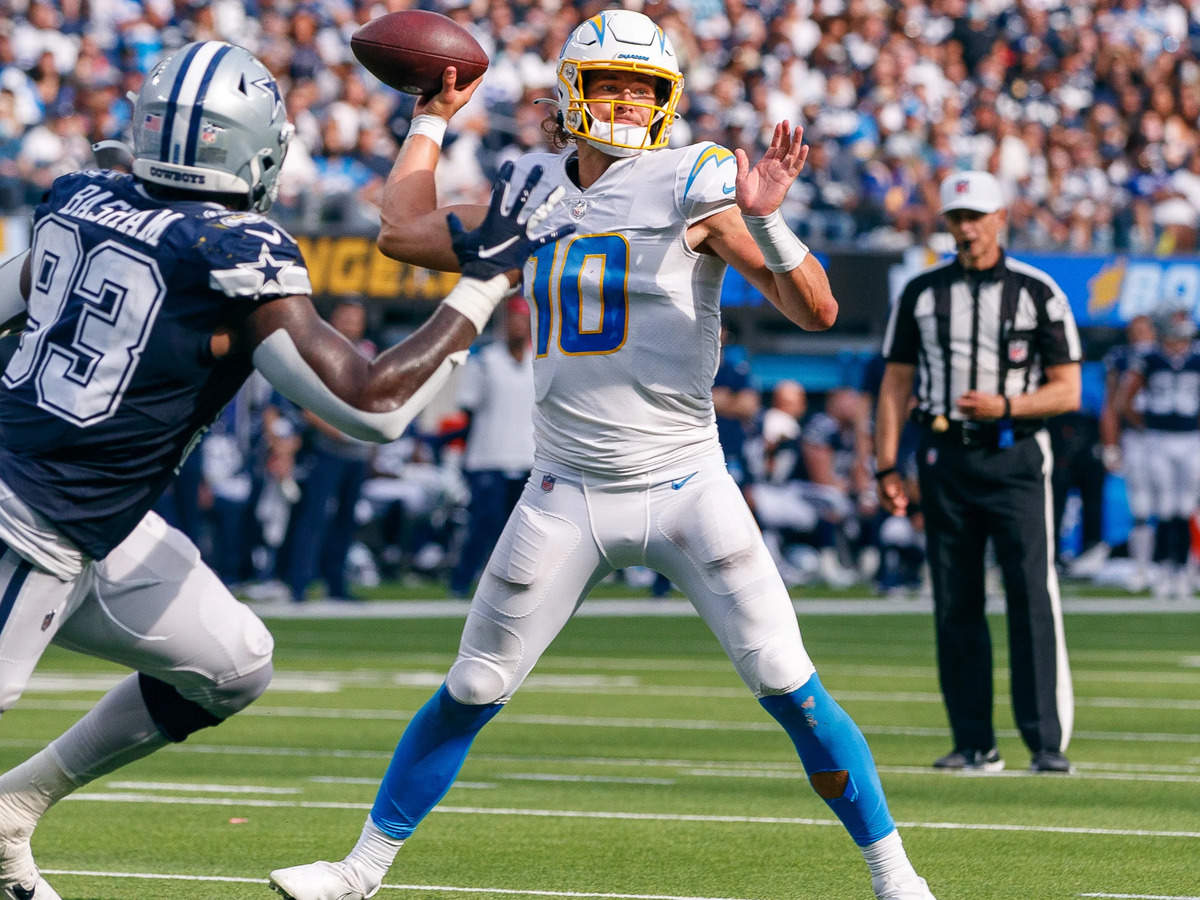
(992, 347)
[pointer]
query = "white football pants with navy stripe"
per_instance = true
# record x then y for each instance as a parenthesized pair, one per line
(1173, 471)
(151, 605)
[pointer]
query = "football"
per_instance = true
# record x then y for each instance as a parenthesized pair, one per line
(409, 50)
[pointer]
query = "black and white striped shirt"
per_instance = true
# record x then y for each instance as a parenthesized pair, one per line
(994, 330)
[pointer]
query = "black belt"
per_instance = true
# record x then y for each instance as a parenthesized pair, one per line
(974, 434)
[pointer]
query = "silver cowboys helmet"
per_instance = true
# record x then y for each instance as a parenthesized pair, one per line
(210, 118)
(623, 40)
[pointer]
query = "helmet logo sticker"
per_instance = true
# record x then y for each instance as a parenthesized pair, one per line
(267, 85)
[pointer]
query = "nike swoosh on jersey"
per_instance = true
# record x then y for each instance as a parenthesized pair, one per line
(676, 485)
(499, 248)
(270, 236)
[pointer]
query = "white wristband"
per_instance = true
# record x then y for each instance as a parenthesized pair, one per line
(476, 299)
(432, 127)
(781, 248)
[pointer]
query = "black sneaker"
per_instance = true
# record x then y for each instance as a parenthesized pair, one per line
(971, 760)
(1050, 761)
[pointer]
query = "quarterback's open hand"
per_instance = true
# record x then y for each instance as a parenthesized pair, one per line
(761, 189)
(504, 240)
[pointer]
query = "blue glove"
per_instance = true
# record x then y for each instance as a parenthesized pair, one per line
(503, 241)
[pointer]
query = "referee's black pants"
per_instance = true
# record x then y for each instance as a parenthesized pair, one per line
(970, 494)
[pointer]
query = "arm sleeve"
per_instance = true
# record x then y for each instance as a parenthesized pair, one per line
(12, 301)
(279, 360)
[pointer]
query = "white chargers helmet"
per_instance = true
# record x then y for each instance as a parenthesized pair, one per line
(210, 118)
(627, 41)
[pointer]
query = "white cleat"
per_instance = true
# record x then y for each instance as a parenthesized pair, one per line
(41, 890)
(320, 881)
(19, 878)
(913, 887)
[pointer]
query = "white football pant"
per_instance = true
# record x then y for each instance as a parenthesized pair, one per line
(570, 529)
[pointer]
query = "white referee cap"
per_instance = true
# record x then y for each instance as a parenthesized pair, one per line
(978, 191)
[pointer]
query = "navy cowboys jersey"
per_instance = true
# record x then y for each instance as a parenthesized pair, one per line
(1172, 389)
(114, 377)
(1117, 362)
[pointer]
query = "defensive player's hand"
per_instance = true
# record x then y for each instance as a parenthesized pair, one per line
(505, 239)
(979, 406)
(449, 100)
(762, 188)
(892, 495)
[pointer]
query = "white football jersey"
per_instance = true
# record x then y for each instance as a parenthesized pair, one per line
(626, 317)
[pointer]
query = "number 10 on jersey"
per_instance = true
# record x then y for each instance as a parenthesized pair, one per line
(575, 276)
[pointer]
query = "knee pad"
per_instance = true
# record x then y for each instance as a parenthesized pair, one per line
(178, 716)
(475, 682)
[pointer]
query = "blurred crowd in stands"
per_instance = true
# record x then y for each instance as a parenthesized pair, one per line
(1087, 110)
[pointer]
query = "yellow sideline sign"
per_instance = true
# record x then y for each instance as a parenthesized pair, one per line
(341, 266)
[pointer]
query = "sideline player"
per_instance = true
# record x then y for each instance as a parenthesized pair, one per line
(151, 298)
(628, 468)
(1124, 449)
(1160, 394)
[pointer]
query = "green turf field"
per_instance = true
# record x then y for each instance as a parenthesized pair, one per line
(633, 764)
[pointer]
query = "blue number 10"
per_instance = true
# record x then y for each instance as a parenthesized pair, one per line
(574, 283)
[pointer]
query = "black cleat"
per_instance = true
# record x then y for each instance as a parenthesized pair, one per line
(1050, 761)
(971, 760)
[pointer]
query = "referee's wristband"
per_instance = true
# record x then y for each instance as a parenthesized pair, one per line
(884, 473)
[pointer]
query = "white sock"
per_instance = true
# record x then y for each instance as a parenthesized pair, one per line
(26, 792)
(374, 853)
(30, 789)
(115, 732)
(887, 857)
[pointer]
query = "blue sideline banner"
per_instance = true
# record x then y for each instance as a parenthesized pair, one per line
(1105, 291)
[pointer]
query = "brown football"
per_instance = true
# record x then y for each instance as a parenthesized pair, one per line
(408, 50)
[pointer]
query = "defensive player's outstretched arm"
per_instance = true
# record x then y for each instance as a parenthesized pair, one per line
(412, 227)
(313, 365)
(754, 239)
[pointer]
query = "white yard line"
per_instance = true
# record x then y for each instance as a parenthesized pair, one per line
(285, 682)
(445, 889)
(701, 768)
(679, 608)
(254, 802)
(200, 788)
(322, 712)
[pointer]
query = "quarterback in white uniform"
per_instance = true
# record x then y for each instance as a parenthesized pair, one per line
(628, 470)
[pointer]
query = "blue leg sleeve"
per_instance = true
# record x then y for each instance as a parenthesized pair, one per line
(836, 758)
(426, 762)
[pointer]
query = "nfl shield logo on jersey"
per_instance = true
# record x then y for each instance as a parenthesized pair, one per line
(1018, 352)
(47, 620)
(548, 482)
